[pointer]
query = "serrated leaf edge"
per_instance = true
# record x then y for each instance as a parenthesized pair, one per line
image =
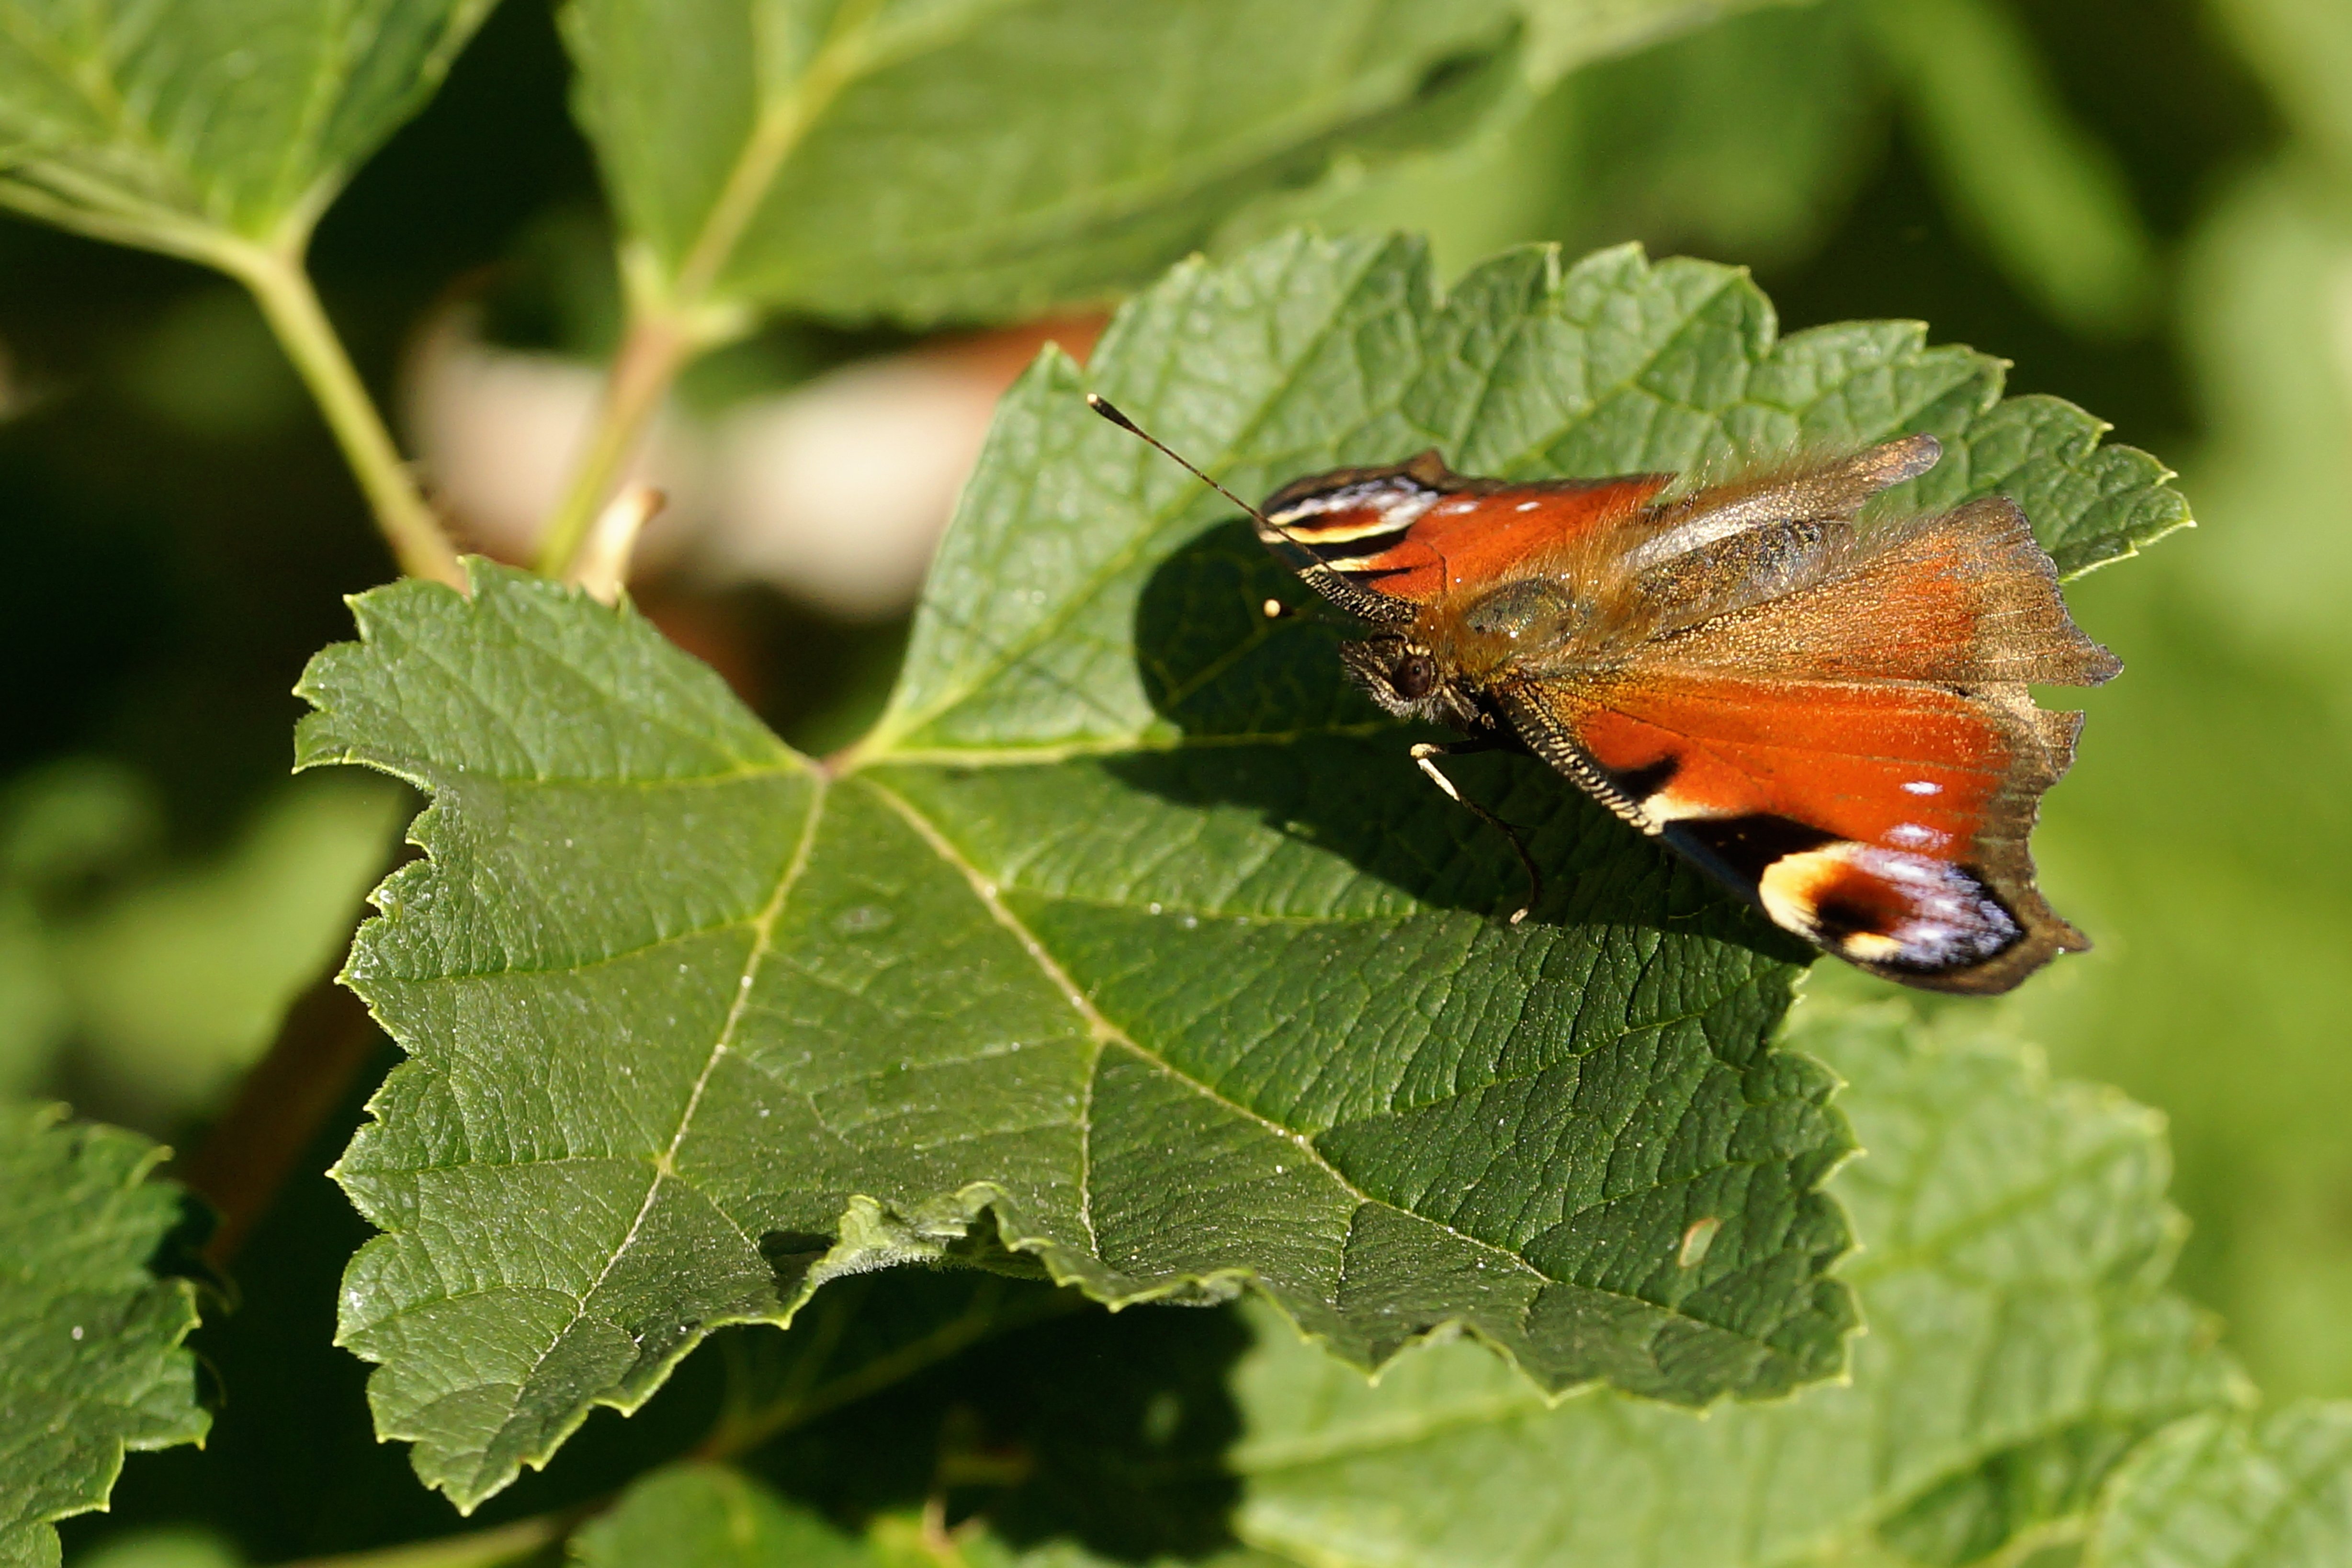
(45, 1119)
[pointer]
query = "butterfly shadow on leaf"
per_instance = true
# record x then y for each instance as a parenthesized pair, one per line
(1270, 721)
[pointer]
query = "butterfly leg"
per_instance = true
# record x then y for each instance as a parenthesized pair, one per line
(1424, 756)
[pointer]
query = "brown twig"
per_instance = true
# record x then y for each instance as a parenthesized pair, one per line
(326, 1039)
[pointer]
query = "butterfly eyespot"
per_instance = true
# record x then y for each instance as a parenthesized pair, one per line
(1414, 676)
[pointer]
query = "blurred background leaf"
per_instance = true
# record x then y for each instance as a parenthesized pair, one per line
(2215, 1491)
(167, 980)
(2046, 199)
(178, 124)
(960, 159)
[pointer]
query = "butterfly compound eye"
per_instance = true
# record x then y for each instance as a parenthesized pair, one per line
(1414, 676)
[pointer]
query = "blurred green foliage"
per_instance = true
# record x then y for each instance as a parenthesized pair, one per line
(169, 978)
(2147, 203)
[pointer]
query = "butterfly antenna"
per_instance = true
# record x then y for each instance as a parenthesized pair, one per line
(1358, 601)
(1110, 411)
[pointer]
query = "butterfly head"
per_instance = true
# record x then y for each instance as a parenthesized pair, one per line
(1407, 677)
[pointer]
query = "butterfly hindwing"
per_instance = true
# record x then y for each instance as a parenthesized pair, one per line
(1833, 718)
(1860, 756)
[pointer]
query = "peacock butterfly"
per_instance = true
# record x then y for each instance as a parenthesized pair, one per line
(1829, 716)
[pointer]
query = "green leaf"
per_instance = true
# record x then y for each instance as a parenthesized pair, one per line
(182, 124)
(1130, 944)
(960, 158)
(91, 1360)
(700, 1515)
(2016, 1245)
(1304, 354)
(707, 1516)
(2049, 200)
(1744, 140)
(2219, 1492)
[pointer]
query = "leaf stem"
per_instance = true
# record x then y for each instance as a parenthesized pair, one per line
(798, 1404)
(475, 1549)
(671, 320)
(281, 284)
(658, 346)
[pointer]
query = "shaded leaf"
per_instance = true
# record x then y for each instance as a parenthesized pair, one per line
(707, 1516)
(91, 1360)
(1303, 354)
(1129, 944)
(2223, 1492)
(2017, 1242)
(935, 158)
(184, 124)
(710, 1516)
(1743, 139)
(1060, 1421)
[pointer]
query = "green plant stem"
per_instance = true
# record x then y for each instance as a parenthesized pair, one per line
(798, 1404)
(281, 287)
(658, 346)
(673, 320)
(476, 1549)
(736, 1433)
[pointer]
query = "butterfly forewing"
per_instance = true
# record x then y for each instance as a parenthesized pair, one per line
(1418, 532)
(1830, 717)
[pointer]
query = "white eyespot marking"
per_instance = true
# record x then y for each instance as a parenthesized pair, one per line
(1879, 906)
(1869, 947)
(1665, 806)
(1459, 507)
(1391, 508)
(1527, 507)
(1914, 836)
(1385, 520)
(1922, 787)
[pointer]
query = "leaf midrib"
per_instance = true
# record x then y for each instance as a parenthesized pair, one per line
(1156, 522)
(665, 1164)
(1105, 1032)
(42, 45)
(856, 46)
(1010, 240)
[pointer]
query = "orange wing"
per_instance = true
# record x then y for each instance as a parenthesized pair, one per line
(1860, 758)
(1417, 530)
